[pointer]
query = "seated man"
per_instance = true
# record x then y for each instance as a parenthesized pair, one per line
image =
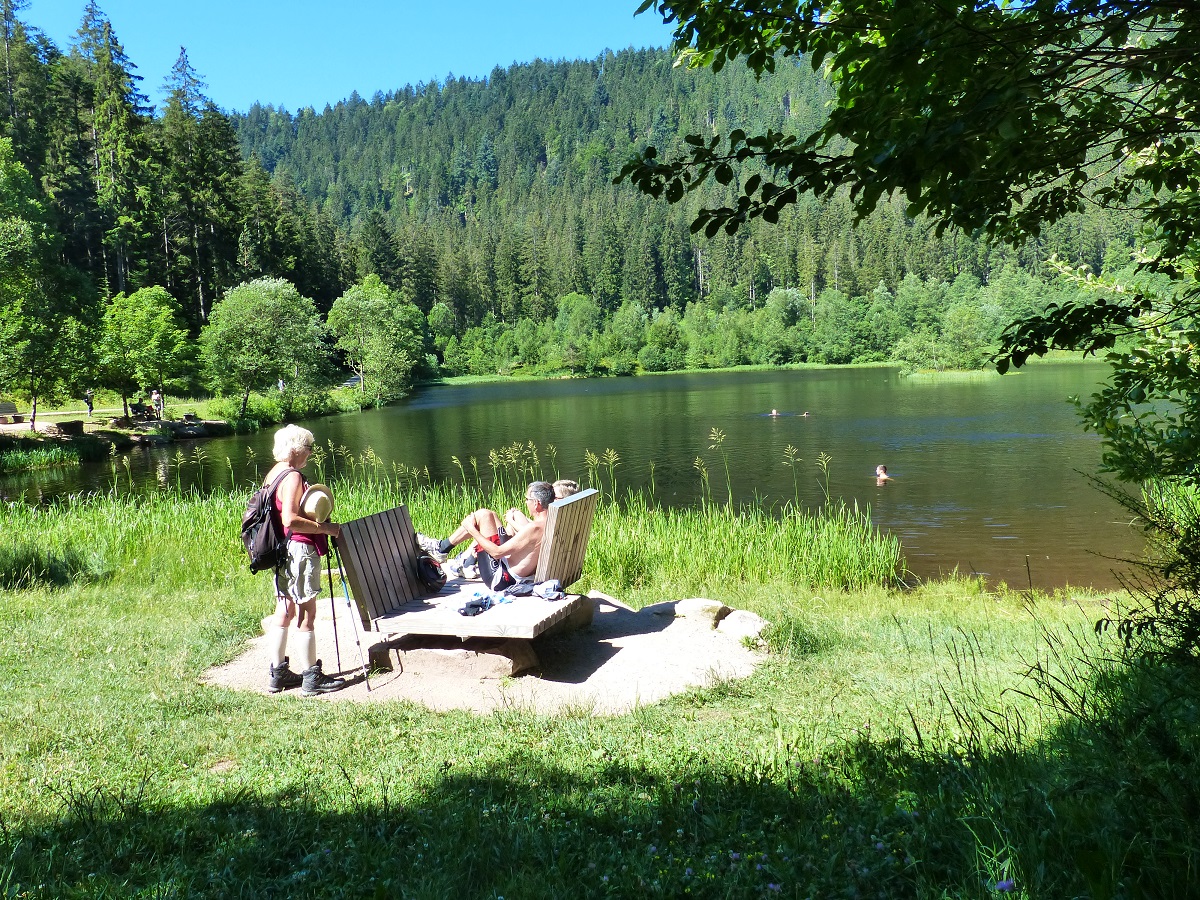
(504, 560)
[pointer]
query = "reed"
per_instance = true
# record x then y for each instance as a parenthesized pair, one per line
(19, 459)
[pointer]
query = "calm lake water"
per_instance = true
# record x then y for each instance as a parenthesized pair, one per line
(987, 470)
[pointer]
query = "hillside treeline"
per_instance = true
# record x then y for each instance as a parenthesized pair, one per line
(488, 204)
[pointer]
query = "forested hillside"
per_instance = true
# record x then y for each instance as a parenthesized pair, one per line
(486, 207)
(495, 198)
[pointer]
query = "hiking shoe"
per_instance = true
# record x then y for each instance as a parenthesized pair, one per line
(282, 678)
(432, 546)
(317, 682)
(454, 568)
(471, 573)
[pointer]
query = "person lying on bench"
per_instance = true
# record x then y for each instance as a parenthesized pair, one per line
(503, 560)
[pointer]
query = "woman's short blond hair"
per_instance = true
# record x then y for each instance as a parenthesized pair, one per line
(565, 487)
(291, 439)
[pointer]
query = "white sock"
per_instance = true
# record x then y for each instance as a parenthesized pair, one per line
(307, 649)
(277, 644)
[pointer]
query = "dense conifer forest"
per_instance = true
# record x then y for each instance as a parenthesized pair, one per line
(487, 204)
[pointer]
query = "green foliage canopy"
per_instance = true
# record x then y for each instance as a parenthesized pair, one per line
(259, 333)
(1002, 117)
(142, 342)
(382, 334)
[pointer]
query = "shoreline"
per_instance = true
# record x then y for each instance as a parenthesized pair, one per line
(100, 427)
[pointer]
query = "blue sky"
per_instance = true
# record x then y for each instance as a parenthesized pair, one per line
(296, 53)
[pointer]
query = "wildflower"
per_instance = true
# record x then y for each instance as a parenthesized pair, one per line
(879, 845)
(653, 849)
(777, 888)
(1006, 885)
(687, 871)
(735, 856)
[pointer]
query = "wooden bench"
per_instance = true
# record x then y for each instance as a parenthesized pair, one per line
(9, 414)
(379, 553)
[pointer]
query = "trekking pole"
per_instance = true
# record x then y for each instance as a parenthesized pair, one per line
(333, 613)
(355, 626)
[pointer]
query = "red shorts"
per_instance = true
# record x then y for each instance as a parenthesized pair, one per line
(496, 539)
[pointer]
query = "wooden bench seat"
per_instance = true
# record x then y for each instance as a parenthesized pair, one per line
(9, 414)
(379, 554)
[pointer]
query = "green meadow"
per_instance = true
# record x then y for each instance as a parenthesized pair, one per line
(936, 740)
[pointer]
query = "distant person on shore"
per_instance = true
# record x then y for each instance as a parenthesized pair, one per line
(89, 400)
(298, 583)
(881, 475)
(156, 400)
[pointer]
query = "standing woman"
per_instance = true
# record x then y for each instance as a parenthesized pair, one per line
(298, 584)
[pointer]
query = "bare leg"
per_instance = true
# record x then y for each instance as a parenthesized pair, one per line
(482, 520)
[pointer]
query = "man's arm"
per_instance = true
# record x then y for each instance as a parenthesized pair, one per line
(523, 541)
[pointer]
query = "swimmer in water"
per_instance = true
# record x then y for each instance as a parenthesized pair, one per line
(881, 475)
(774, 412)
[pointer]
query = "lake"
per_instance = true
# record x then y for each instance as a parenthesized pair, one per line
(987, 470)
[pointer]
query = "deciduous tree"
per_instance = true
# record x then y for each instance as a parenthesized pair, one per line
(259, 333)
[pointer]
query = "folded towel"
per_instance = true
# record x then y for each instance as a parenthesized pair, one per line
(549, 590)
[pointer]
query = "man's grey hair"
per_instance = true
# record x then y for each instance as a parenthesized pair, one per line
(291, 439)
(542, 492)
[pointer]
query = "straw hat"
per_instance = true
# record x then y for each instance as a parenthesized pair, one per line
(317, 503)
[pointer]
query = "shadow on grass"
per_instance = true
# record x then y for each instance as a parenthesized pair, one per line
(1106, 807)
(26, 565)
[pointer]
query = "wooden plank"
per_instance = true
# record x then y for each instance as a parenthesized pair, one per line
(523, 617)
(571, 543)
(353, 573)
(569, 518)
(380, 553)
(368, 567)
(395, 586)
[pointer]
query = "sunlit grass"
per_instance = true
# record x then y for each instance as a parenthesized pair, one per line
(889, 746)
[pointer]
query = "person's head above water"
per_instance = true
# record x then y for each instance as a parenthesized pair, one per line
(774, 412)
(881, 472)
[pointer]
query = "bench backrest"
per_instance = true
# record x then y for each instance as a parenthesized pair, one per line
(8, 408)
(379, 562)
(568, 527)
(379, 554)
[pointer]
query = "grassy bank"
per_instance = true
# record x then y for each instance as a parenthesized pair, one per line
(887, 748)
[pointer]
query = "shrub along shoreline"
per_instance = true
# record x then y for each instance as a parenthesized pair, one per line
(890, 746)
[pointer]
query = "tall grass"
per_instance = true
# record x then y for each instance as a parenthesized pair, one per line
(18, 459)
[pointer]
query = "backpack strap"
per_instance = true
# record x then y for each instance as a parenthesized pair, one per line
(278, 478)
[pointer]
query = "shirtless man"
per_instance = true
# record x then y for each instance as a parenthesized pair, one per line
(881, 475)
(504, 560)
